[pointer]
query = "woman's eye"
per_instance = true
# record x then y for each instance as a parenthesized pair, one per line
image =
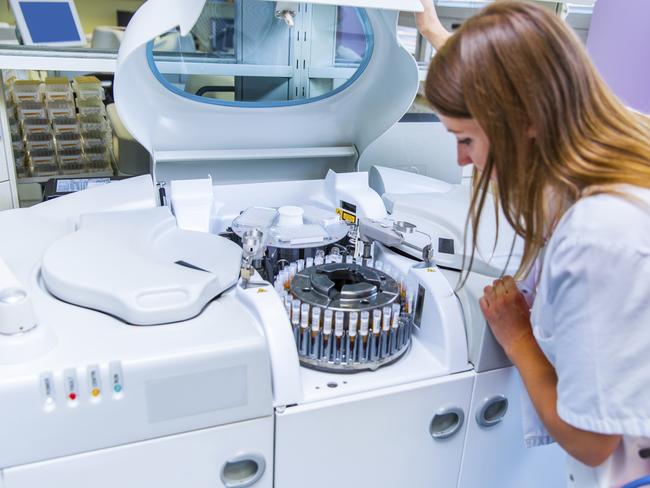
(466, 141)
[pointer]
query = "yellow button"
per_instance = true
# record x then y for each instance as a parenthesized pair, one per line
(95, 392)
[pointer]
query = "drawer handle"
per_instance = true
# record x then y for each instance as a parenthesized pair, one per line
(492, 411)
(242, 471)
(446, 422)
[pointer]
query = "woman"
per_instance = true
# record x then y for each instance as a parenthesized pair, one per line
(570, 166)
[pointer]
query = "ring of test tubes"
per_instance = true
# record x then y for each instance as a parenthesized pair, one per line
(346, 316)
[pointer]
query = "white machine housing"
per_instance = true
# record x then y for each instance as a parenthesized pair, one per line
(217, 397)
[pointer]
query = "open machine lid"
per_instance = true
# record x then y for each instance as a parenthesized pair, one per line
(298, 93)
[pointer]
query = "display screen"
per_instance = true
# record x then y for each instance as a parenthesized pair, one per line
(419, 307)
(50, 22)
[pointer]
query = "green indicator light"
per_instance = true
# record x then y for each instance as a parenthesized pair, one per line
(117, 388)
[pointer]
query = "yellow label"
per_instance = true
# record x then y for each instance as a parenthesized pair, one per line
(262, 290)
(430, 270)
(346, 216)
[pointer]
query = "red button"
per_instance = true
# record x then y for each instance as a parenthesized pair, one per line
(72, 396)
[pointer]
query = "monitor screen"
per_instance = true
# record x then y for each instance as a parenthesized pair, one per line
(50, 22)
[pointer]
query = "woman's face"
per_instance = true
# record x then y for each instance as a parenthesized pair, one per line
(471, 142)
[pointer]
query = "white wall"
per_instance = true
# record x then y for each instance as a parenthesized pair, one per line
(419, 147)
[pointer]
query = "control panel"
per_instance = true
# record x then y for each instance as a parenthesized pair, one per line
(74, 386)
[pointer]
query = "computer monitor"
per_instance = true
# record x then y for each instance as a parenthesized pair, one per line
(124, 17)
(48, 22)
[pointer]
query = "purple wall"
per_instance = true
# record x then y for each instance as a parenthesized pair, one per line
(619, 44)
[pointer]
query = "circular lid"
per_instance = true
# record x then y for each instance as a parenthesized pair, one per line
(290, 215)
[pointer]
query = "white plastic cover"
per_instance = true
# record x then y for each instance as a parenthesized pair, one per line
(140, 267)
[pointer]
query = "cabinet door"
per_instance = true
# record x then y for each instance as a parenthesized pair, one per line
(6, 201)
(4, 172)
(495, 455)
(380, 439)
(220, 457)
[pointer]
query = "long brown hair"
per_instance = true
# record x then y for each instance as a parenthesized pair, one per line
(556, 131)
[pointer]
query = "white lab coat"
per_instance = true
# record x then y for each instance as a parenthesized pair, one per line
(591, 317)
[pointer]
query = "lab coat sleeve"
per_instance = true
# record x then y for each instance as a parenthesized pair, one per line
(599, 301)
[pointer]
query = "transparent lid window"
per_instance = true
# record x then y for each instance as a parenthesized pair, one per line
(246, 52)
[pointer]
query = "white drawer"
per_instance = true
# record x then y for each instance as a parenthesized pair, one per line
(195, 459)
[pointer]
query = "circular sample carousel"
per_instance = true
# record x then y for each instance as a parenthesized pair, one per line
(347, 317)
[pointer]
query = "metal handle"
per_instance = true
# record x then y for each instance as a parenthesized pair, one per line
(446, 422)
(243, 471)
(492, 411)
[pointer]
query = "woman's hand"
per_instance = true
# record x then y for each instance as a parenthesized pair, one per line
(430, 26)
(505, 309)
(507, 313)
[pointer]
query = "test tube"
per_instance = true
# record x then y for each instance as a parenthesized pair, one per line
(300, 265)
(385, 325)
(304, 329)
(304, 315)
(410, 301)
(327, 321)
(327, 335)
(295, 320)
(287, 305)
(280, 279)
(315, 320)
(349, 259)
(318, 260)
(278, 285)
(363, 330)
(396, 309)
(385, 333)
(401, 279)
(309, 262)
(365, 318)
(394, 332)
(314, 349)
(287, 279)
(353, 320)
(373, 354)
(358, 260)
(295, 311)
(293, 269)
(339, 319)
(376, 321)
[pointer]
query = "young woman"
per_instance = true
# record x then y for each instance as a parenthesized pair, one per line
(570, 166)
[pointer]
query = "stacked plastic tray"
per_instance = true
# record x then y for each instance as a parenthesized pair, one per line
(96, 136)
(58, 127)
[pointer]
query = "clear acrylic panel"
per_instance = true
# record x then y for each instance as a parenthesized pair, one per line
(247, 52)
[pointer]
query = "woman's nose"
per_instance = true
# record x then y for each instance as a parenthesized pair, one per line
(463, 158)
